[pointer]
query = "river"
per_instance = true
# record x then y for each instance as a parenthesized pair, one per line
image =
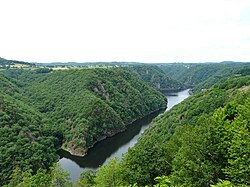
(114, 146)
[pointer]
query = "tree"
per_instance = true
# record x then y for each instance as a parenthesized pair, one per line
(86, 179)
(110, 175)
(60, 178)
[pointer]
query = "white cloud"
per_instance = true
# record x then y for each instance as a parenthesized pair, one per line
(131, 30)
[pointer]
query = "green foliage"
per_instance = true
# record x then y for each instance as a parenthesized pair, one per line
(226, 183)
(154, 76)
(163, 181)
(40, 179)
(59, 178)
(155, 156)
(86, 179)
(109, 175)
(237, 143)
(223, 183)
(43, 70)
(24, 141)
(199, 142)
(191, 74)
(104, 101)
(55, 178)
(204, 75)
(39, 112)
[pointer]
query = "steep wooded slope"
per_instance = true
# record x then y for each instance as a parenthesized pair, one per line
(88, 104)
(204, 75)
(162, 152)
(154, 76)
(200, 141)
(40, 112)
(27, 141)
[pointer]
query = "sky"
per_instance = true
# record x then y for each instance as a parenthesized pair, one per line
(125, 30)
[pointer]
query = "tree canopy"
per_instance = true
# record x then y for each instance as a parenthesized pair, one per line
(41, 111)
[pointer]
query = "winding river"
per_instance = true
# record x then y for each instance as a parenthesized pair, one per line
(114, 146)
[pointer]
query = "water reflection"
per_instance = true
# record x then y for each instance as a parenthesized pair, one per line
(112, 146)
(115, 146)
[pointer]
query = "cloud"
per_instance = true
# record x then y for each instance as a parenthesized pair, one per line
(115, 30)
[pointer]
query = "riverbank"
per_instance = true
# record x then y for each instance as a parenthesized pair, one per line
(114, 146)
(111, 135)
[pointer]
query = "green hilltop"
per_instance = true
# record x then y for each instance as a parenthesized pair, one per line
(73, 109)
(203, 141)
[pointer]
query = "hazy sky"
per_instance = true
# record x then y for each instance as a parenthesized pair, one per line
(125, 30)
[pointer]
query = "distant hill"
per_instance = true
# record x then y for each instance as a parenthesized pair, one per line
(204, 75)
(88, 64)
(151, 74)
(154, 76)
(5, 64)
(2, 59)
(198, 142)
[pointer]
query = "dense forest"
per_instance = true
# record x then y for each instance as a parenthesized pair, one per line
(155, 77)
(200, 142)
(41, 111)
(6, 64)
(28, 141)
(203, 76)
(203, 141)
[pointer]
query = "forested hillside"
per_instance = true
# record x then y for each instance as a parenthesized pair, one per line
(7, 64)
(199, 142)
(27, 141)
(203, 141)
(204, 75)
(39, 112)
(155, 77)
(90, 104)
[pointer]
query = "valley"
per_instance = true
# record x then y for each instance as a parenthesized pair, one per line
(195, 143)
